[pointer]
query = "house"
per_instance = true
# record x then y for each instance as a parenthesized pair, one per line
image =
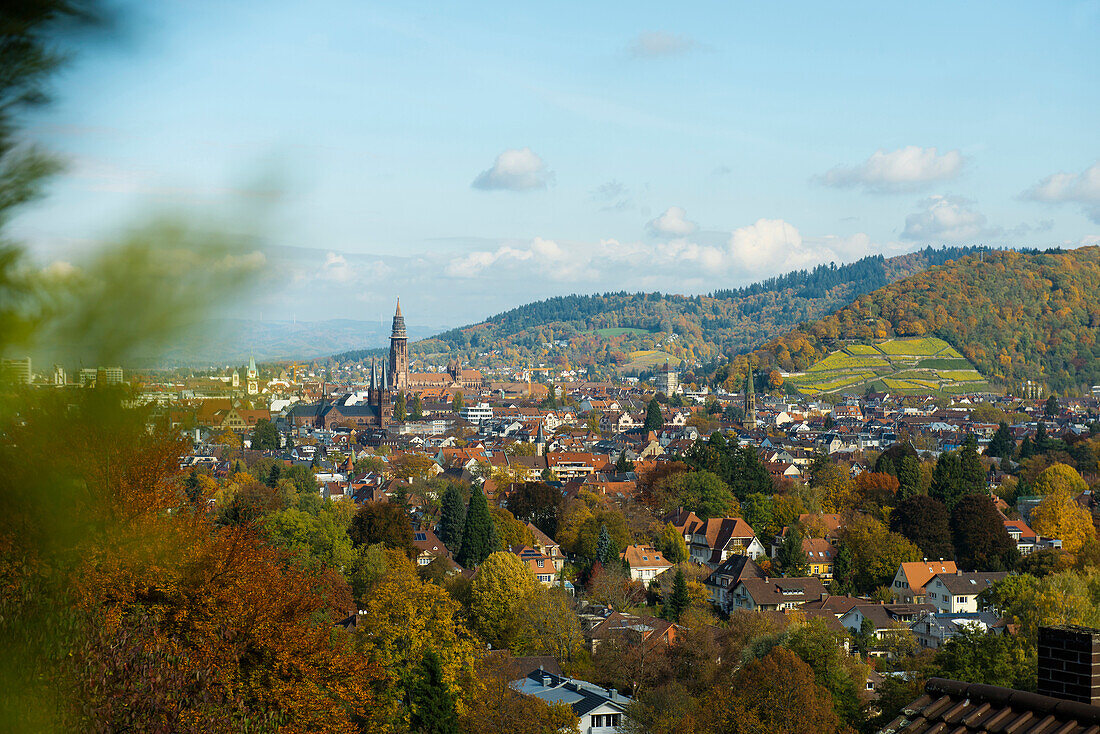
(714, 540)
(887, 619)
(645, 561)
(932, 629)
(635, 629)
(820, 555)
(957, 592)
(547, 546)
(1027, 541)
(909, 581)
(600, 710)
(541, 565)
(776, 594)
(724, 579)
(428, 547)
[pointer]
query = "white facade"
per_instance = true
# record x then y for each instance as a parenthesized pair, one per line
(476, 413)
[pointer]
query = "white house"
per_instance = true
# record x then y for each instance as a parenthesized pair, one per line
(645, 562)
(952, 593)
(600, 710)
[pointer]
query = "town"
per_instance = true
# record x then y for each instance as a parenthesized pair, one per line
(658, 518)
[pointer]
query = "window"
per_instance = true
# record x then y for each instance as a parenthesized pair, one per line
(540, 563)
(606, 719)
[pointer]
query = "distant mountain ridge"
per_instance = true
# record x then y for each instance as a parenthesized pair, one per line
(600, 332)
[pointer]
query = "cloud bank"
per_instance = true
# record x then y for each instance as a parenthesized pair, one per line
(1073, 188)
(906, 169)
(516, 169)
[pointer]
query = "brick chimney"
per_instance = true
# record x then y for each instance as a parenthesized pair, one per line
(1069, 663)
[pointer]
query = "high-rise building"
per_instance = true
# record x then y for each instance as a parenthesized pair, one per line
(668, 380)
(17, 371)
(399, 353)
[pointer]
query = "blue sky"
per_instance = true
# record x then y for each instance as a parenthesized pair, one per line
(470, 157)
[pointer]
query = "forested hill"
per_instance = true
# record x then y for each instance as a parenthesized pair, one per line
(624, 330)
(1017, 316)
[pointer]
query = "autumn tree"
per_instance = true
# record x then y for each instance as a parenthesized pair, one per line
(499, 593)
(509, 531)
(1059, 516)
(412, 466)
(1059, 477)
(539, 504)
(382, 522)
(981, 541)
(672, 544)
(265, 437)
(875, 553)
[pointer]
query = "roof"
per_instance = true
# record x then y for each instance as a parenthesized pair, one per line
(970, 583)
(737, 567)
(952, 706)
(581, 696)
(919, 573)
(784, 590)
(645, 556)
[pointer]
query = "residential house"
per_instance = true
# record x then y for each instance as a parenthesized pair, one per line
(932, 629)
(547, 546)
(887, 619)
(646, 563)
(820, 556)
(911, 577)
(952, 593)
(428, 547)
(776, 594)
(724, 579)
(714, 540)
(600, 710)
(541, 565)
(634, 629)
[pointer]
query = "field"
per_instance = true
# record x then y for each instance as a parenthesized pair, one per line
(909, 366)
(649, 358)
(620, 331)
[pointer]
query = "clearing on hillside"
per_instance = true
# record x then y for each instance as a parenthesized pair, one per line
(910, 366)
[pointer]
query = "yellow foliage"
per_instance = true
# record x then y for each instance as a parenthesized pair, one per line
(1059, 516)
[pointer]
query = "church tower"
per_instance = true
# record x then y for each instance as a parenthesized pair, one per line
(253, 377)
(750, 400)
(399, 353)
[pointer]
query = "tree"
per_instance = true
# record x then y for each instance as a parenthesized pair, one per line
(981, 541)
(909, 477)
(1002, 444)
(841, 675)
(432, 706)
(479, 537)
(926, 522)
(971, 470)
(382, 522)
(604, 546)
(702, 492)
(452, 518)
(1059, 516)
(894, 456)
(457, 403)
(265, 437)
(653, 418)
(790, 558)
(672, 544)
(1059, 477)
(399, 409)
(975, 656)
(947, 481)
(1042, 441)
(678, 601)
(776, 693)
(875, 553)
(499, 592)
(417, 408)
(539, 504)
(1051, 407)
(509, 531)
(412, 466)
(623, 464)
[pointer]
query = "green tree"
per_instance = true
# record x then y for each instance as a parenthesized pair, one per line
(925, 522)
(399, 410)
(479, 536)
(702, 492)
(841, 675)
(981, 541)
(499, 593)
(432, 706)
(653, 418)
(1002, 444)
(265, 437)
(603, 545)
(971, 470)
(539, 504)
(1051, 407)
(382, 522)
(192, 487)
(947, 480)
(679, 600)
(976, 656)
(672, 544)
(452, 518)
(417, 408)
(875, 552)
(790, 558)
(909, 478)
(457, 403)
(623, 464)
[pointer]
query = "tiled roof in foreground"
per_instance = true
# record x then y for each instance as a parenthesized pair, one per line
(952, 707)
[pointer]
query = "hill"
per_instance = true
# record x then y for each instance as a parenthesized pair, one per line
(617, 331)
(1016, 316)
(923, 365)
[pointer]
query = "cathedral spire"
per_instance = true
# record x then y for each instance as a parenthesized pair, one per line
(398, 324)
(373, 379)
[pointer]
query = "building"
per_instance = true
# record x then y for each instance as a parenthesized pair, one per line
(770, 594)
(600, 710)
(399, 352)
(252, 377)
(645, 561)
(16, 371)
(909, 581)
(541, 565)
(476, 414)
(820, 556)
(667, 380)
(712, 541)
(750, 400)
(957, 592)
(724, 579)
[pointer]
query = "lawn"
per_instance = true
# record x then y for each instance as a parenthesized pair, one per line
(926, 346)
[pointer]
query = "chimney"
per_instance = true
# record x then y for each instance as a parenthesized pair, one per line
(1069, 663)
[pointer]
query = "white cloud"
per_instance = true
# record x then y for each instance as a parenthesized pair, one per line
(905, 169)
(549, 260)
(1076, 188)
(672, 223)
(336, 268)
(516, 169)
(945, 219)
(769, 245)
(655, 44)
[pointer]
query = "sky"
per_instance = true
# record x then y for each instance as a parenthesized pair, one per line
(472, 157)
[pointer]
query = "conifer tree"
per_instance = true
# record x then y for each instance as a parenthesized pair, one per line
(678, 600)
(432, 707)
(1001, 444)
(972, 473)
(947, 481)
(603, 544)
(192, 487)
(908, 478)
(653, 418)
(399, 413)
(1042, 442)
(791, 558)
(417, 408)
(1027, 448)
(479, 534)
(452, 518)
